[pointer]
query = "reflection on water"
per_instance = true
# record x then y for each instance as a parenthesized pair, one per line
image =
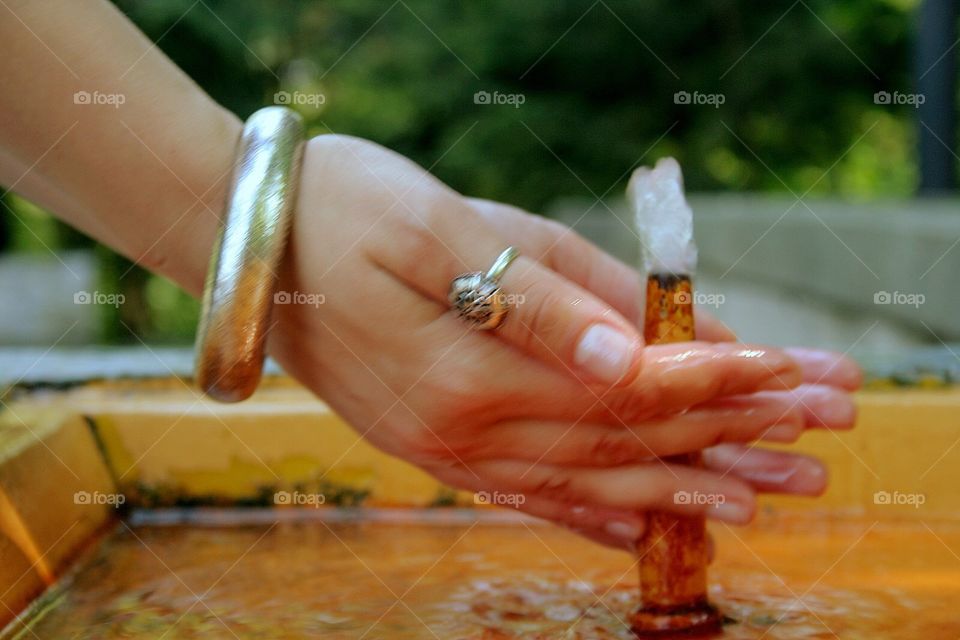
(785, 578)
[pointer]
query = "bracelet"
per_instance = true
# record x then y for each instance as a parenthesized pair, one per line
(239, 288)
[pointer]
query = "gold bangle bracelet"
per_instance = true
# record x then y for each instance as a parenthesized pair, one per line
(238, 293)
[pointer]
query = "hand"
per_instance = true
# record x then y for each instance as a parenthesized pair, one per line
(562, 404)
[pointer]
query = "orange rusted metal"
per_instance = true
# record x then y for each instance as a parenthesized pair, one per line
(673, 552)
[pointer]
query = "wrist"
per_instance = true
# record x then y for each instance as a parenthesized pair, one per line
(144, 173)
(192, 201)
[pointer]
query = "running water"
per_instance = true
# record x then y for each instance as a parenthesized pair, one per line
(663, 219)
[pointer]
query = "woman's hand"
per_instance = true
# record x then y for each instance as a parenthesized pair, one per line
(562, 404)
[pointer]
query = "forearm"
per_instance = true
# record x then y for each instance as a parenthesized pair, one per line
(146, 177)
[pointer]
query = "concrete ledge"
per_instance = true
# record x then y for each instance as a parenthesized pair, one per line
(37, 297)
(167, 445)
(899, 462)
(51, 478)
(64, 366)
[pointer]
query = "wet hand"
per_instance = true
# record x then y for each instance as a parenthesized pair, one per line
(562, 405)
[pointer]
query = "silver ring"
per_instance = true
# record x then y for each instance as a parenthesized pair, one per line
(477, 297)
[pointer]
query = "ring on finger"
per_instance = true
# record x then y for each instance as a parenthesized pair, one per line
(477, 298)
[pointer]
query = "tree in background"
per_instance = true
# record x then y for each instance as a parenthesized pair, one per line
(526, 102)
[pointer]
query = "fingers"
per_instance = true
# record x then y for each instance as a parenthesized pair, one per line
(710, 329)
(769, 471)
(641, 487)
(428, 235)
(566, 252)
(551, 318)
(565, 326)
(615, 528)
(775, 416)
(823, 406)
(736, 419)
(827, 367)
(612, 527)
(563, 250)
(561, 323)
(677, 376)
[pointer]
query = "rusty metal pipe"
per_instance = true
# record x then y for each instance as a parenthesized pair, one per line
(673, 552)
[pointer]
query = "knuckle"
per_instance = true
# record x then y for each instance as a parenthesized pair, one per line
(569, 242)
(452, 385)
(731, 427)
(722, 378)
(659, 491)
(457, 394)
(568, 247)
(422, 445)
(721, 434)
(556, 486)
(610, 449)
(342, 159)
(414, 235)
(419, 225)
(560, 235)
(333, 149)
(636, 404)
(557, 229)
(708, 383)
(539, 318)
(436, 421)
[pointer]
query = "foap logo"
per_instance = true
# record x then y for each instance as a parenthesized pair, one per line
(696, 497)
(899, 298)
(696, 98)
(700, 298)
(299, 297)
(299, 98)
(896, 98)
(99, 297)
(511, 299)
(299, 499)
(499, 499)
(114, 100)
(512, 99)
(98, 498)
(914, 500)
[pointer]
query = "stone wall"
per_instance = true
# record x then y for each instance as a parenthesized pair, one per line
(868, 277)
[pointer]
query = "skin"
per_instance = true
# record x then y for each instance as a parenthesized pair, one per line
(524, 410)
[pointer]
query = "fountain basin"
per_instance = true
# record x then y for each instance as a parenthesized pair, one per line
(136, 509)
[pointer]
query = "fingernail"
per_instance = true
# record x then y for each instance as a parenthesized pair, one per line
(784, 371)
(811, 478)
(623, 530)
(806, 477)
(786, 432)
(605, 353)
(831, 368)
(828, 407)
(731, 511)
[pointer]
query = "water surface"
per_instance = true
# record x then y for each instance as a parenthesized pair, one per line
(455, 576)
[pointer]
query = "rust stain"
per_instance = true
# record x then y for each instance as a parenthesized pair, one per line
(673, 553)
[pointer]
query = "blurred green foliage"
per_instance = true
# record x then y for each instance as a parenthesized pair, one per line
(597, 80)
